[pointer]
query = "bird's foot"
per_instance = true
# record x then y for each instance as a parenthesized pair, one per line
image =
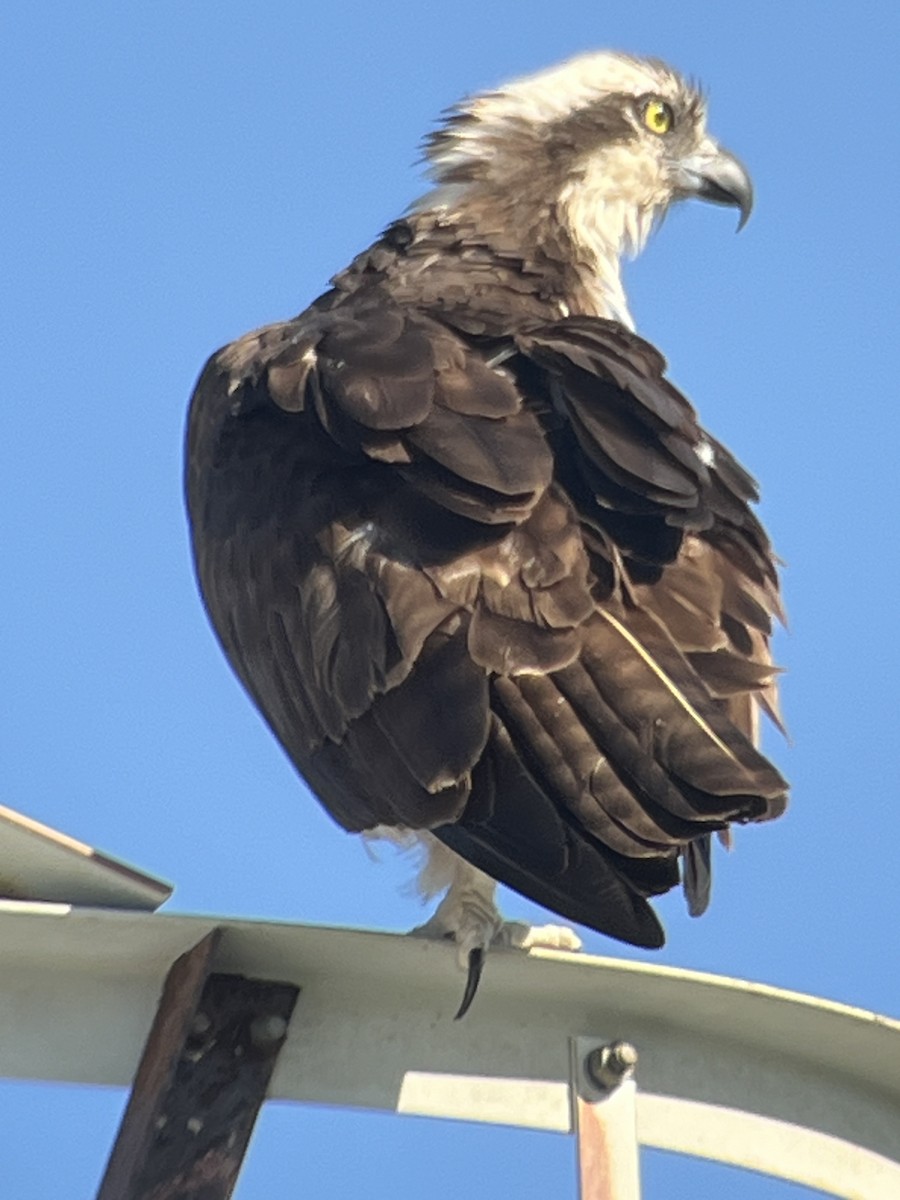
(517, 935)
(478, 928)
(471, 921)
(489, 930)
(468, 916)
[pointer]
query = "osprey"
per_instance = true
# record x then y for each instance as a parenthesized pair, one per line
(489, 581)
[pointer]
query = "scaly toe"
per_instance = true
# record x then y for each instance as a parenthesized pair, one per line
(518, 936)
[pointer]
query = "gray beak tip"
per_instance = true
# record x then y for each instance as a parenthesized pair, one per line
(721, 179)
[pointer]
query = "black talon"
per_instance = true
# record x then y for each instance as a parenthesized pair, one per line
(476, 966)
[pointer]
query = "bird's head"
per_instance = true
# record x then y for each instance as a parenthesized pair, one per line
(602, 145)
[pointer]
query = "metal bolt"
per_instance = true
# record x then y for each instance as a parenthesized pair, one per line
(265, 1031)
(608, 1066)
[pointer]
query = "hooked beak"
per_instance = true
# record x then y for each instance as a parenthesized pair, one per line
(715, 174)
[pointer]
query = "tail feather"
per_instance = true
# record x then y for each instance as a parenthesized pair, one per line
(697, 876)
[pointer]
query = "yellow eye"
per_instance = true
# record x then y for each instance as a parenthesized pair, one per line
(658, 116)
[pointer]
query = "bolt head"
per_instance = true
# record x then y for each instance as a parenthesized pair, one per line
(265, 1031)
(608, 1066)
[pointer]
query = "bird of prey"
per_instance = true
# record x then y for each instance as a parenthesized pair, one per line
(470, 552)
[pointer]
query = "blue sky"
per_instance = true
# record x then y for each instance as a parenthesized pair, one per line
(175, 174)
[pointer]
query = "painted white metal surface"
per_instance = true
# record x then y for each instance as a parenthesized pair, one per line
(743, 1073)
(40, 863)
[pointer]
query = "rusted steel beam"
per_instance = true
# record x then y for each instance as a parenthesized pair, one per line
(201, 1081)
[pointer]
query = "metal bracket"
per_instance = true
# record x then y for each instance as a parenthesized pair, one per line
(604, 1119)
(202, 1079)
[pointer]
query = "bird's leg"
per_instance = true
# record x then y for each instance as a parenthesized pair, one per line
(468, 915)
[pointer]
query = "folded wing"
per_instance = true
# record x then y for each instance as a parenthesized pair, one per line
(507, 590)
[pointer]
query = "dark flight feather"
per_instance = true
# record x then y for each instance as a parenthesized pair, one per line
(484, 574)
